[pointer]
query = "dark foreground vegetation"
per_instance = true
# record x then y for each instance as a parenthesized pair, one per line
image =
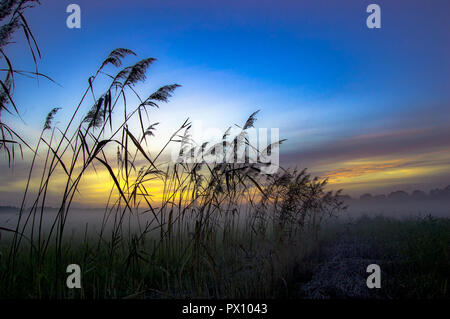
(413, 255)
(222, 229)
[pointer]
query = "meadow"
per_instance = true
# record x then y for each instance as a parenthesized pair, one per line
(219, 229)
(223, 229)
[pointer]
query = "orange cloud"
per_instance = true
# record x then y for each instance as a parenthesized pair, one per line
(343, 174)
(361, 175)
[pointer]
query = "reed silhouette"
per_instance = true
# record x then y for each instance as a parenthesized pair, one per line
(179, 229)
(12, 19)
(215, 224)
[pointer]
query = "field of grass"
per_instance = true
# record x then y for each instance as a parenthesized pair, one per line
(222, 229)
(240, 267)
(412, 253)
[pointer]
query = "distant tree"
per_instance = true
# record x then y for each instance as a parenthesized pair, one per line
(418, 194)
(446, 192)
(398, 195)
(345, 197)
(440, 193)
(365, 196)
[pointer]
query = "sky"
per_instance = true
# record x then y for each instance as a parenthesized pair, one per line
(367, 108)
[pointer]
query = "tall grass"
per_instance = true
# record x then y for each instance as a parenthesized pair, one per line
(221, 229)
(12, 19)
(414, 254)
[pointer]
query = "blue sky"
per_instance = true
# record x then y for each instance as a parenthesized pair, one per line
(313, 68)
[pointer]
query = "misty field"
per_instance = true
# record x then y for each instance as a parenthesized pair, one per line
(209, 214)
(413, 254)
(223, 229)
(222, 226)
